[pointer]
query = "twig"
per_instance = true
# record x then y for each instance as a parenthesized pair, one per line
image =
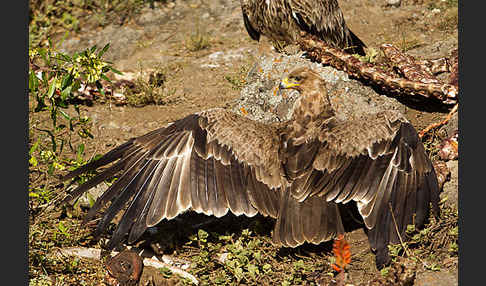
(401, 240)
(170, 36)
(396, 229)
(437, 124)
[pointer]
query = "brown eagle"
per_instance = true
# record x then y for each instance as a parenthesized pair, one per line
(283, 20)
(297, 172)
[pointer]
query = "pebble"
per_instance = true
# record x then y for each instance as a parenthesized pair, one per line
(393, 3)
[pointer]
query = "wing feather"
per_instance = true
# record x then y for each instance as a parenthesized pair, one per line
(134, 210)
(202, 162)
(158, 207)
(380, 163)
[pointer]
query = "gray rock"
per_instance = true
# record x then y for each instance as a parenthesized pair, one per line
(393, 3)
(349, 97)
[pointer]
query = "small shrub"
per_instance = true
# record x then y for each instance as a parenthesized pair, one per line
(197, 41)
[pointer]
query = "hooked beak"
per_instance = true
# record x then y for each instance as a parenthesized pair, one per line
(284, 84)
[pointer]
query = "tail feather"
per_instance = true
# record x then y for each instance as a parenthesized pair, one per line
(318, 221)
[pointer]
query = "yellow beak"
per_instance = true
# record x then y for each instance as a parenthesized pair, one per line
(286, 84)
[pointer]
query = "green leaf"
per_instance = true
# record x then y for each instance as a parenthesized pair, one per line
(64, 57)
(79, 153)
(252, 270)
(410, 228)
(102, 92)
(33, 161)
(106, 78)
(64, 114)
(40, 104)
(96, 157)
(52, 88)
(166, 272)
(49, 42)
(64, 38)
(50, 170)
(67, 80)
(267, 268)
(238, 273)
(54, 115)
(98, 84)
(91, 200)
(43, 53)
(53, 139)
(105, 48)
(34, 147)
(115, 71)
(33, 81)
(65, 94)
(85, 133)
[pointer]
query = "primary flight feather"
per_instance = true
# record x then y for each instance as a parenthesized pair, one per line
(297, 172)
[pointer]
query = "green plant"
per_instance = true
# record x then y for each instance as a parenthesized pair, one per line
(197, 40)
(55, 78)
(238, 79)
(55, 118)
(156, 90)
(371, 56)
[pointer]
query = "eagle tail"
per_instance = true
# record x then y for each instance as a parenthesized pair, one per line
(313, 220)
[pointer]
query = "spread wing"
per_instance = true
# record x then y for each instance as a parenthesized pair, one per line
(379, 162)
(210, 162)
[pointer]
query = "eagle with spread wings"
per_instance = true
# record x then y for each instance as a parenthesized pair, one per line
(297, 172)
(283, 20)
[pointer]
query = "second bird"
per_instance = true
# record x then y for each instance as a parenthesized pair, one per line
(283, 20)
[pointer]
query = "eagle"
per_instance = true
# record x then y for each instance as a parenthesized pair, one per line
(284, 20)
(297, 172)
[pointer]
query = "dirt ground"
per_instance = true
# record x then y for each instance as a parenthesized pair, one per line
(212, 76)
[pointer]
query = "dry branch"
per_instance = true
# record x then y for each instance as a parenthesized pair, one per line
(319, 51)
